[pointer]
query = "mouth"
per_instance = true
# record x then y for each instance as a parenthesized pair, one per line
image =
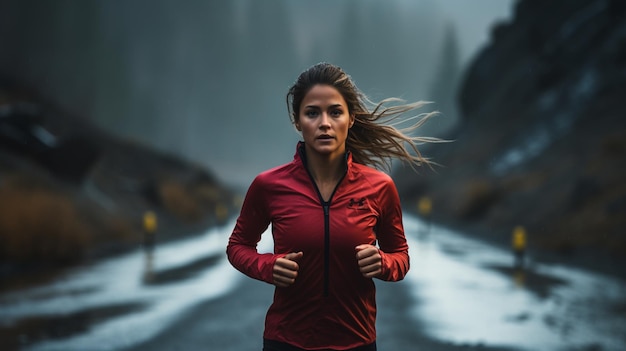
(325, 137)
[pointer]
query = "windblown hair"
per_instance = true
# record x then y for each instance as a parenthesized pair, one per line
(374, 138)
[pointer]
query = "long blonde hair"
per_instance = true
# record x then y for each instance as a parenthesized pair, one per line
(374, 138)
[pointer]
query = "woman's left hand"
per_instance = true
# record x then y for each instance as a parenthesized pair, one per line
(369, 260)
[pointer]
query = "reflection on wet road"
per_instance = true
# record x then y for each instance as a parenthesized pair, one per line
(469, 292)
(128, 299)
(460, 292)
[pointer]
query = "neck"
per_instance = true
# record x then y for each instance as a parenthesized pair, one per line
(325, 169)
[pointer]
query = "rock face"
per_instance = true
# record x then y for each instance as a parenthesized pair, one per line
(542, 141)
(70, 191)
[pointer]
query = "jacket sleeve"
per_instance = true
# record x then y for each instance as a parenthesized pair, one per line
(242, 244)
(390, 234)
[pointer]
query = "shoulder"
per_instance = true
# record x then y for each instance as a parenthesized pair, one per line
(371, 175)
(380, 184)
(275, 175)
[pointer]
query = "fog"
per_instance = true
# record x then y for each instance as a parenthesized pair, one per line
(206, 80)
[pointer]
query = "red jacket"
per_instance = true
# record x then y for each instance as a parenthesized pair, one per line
(330, 305)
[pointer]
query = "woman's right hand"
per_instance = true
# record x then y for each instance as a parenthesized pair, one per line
(286, 269)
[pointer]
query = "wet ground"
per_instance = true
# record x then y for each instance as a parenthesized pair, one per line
(459, 295)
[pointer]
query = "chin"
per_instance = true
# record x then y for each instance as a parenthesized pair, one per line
(326, 150)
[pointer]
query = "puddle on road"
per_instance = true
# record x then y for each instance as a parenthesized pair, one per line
(32, 330)
(541, 285)
(177, 274)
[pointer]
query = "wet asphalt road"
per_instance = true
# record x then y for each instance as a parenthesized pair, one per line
(235, 323)
(460, 294)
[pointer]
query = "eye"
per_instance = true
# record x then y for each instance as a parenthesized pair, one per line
(311, 113)
(336, 112)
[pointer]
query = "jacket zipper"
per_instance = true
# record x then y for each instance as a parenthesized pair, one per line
(326, 207)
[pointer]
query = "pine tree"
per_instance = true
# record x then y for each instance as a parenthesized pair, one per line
(446, 81)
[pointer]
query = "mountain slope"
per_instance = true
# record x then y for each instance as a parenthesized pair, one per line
(542, 141)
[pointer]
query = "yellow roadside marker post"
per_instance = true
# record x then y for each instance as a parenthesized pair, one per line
(518, 243)
(149, 239)
(424, 208)
(149, 229)
(221, 213)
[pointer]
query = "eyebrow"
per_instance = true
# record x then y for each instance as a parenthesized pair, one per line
(316, 106)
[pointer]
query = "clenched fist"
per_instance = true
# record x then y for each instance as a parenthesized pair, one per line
(370, 261)
(286, 269)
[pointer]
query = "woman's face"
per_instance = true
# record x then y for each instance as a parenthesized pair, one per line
(324, 121)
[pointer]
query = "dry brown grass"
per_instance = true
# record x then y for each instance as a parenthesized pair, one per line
(181, 201)
(38, 224)
(479, 196)
(594, 225)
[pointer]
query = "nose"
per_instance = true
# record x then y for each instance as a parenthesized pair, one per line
(325, 121)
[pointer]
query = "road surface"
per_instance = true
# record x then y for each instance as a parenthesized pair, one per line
(460, 294)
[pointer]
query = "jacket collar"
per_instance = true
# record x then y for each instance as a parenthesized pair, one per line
(300, 157)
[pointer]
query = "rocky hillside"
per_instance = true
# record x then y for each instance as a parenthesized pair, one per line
(69, 192)
(543, 138)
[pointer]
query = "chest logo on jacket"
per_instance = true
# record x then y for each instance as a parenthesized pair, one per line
(358, 204)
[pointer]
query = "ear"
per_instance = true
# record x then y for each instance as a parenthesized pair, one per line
(296, 123)
(352, 118)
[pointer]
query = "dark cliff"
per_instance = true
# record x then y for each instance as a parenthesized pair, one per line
(542, 141)
(71, 192)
